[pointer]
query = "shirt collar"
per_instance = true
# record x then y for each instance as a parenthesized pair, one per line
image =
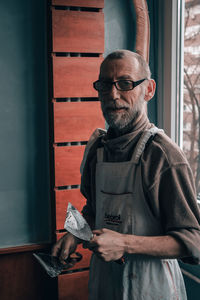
(120, 142)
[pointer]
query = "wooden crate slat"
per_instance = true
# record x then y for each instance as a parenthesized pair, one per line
(86, 255)
(67, 165)
(80, 3)
(77, 31)
(74, 76)
(62, 197)
(75, 121)
(73, 286)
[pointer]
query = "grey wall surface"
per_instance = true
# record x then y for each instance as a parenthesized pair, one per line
(24, 170)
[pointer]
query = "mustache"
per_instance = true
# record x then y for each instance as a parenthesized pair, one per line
(114, 106)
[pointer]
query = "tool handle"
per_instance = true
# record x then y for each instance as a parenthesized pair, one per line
(120, 261)
(73, 258)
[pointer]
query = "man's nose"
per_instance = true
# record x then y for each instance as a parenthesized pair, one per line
(114, 93)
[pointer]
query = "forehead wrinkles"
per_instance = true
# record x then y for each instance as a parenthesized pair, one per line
(120, 67)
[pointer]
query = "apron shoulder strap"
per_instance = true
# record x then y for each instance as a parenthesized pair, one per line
(147, 134)
(100, 154)
(95, 135)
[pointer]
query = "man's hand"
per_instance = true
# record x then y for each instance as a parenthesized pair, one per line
(64, 247)
(107, 244)
(110, 245)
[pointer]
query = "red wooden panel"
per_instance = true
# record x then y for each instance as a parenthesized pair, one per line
(73, 76)
(78, 31)
(76, 121)
(73, 286)
(81, 3)
(85, 261)
(67, 165)
(23, 278)
(73, 196)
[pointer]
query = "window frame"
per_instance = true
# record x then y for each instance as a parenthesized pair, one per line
(170, 77)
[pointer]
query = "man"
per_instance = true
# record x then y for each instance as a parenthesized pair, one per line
(140, 194)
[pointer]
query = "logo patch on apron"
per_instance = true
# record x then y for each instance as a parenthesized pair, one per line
(112, 220)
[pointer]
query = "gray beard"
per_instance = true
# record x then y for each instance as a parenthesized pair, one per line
(122, 120)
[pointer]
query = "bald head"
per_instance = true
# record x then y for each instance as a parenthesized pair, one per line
(142, 66)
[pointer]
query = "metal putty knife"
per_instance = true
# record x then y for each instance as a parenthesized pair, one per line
(76, 224)
(53, 266)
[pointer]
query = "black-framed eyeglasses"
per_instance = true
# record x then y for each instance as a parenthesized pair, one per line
(121, 85)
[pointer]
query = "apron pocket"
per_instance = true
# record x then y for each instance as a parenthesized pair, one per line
(116, 212)
(114, 194)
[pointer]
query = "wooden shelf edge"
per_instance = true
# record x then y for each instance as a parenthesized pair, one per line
(24, 248)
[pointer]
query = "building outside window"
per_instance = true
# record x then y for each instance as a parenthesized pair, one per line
(191, 97)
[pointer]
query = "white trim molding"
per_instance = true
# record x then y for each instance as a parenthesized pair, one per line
(170, 68)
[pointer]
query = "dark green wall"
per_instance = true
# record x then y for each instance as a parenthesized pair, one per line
(24, 171)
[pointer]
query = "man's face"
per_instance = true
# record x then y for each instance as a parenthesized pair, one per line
(120, 108)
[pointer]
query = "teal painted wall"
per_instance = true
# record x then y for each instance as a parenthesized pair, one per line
(119, 25)
(24, 171)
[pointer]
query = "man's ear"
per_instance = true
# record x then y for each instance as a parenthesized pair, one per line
(150, 90)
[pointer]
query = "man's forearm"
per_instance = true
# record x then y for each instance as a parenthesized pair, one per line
(112, 245)
(158, 246)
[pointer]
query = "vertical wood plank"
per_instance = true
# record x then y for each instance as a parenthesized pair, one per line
(74, 32)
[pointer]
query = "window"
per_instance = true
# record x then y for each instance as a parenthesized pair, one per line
(176, 108)
(178, 84)
(191, 94)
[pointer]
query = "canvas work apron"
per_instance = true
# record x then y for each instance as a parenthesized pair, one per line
(121, 206)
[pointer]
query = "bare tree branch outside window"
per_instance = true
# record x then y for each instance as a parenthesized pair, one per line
(191, 115)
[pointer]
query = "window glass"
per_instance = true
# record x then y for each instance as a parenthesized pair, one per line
(191, 104)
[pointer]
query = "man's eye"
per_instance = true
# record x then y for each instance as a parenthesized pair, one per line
(124, 83)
